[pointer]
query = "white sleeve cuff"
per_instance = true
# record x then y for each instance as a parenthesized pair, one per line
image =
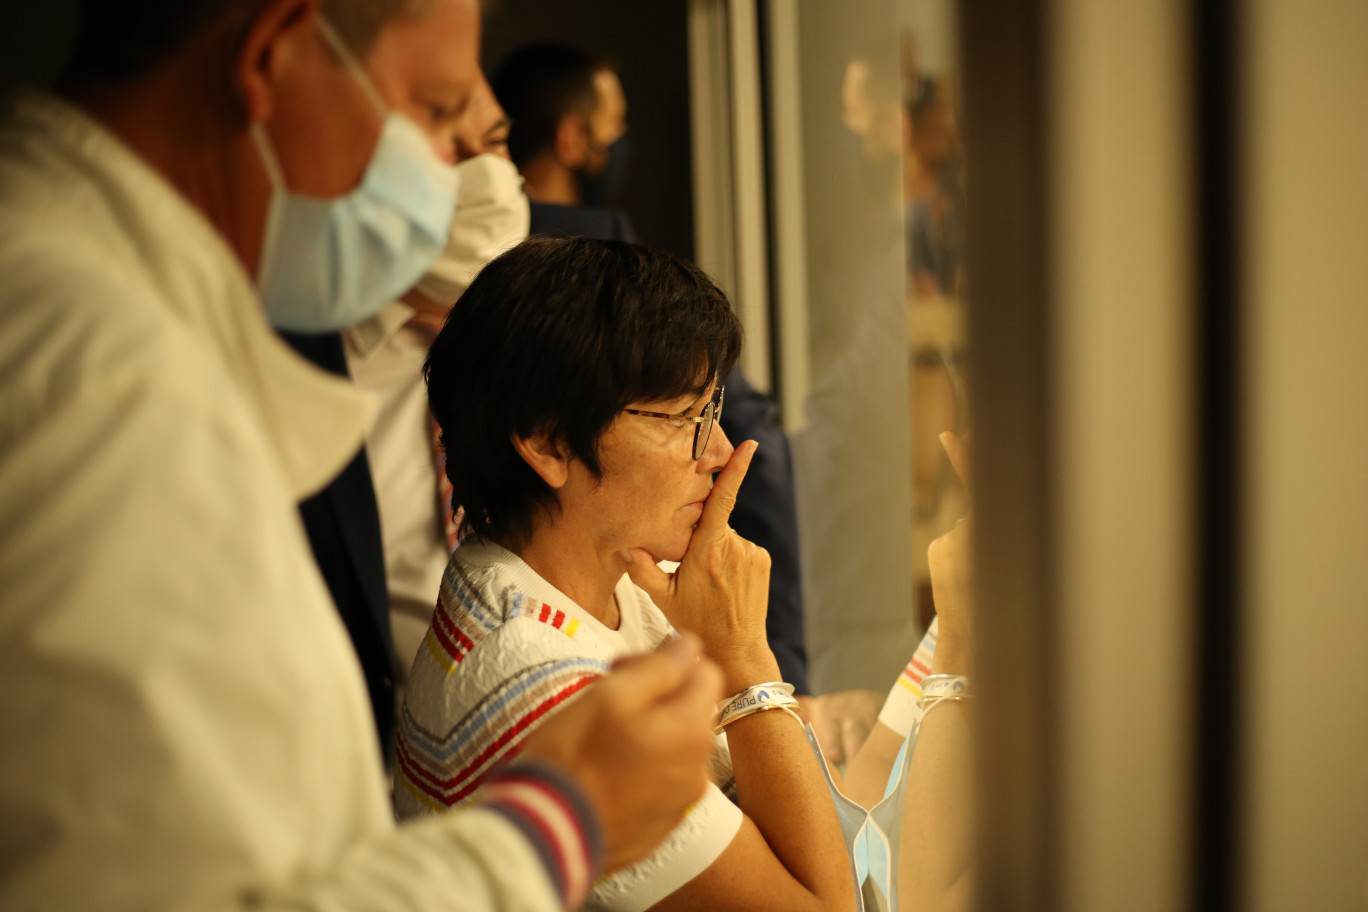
(900, 711)
(700, 838)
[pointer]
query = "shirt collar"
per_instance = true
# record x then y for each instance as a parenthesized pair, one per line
(476, 552)
(315, 420)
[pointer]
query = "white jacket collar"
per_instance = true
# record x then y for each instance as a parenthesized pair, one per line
(316, 421)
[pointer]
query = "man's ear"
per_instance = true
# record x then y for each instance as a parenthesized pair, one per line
(270, 45)
(572, 142)
(548, 458)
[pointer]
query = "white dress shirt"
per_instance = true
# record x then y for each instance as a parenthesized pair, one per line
(385, 358)
(183, 721)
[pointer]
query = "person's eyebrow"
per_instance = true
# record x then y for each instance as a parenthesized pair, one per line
(698, 403)
(503, 123)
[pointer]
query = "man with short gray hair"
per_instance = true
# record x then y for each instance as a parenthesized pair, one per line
(185, 724)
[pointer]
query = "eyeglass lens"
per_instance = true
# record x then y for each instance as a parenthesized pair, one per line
(711, 412)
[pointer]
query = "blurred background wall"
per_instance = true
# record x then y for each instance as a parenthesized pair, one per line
(35, 39)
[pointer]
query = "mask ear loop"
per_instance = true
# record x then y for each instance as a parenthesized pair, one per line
(268, 157)
(349, 61)
(276, 176)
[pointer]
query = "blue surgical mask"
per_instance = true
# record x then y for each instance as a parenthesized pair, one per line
(327, 264)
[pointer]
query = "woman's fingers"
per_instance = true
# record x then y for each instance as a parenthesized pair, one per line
(957, 448)
(950, 558)
(712, 525)
(644, 572)
(721, 588)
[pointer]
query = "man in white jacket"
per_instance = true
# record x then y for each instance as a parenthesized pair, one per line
(183, 720)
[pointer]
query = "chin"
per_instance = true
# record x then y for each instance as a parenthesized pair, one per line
(667, 554)
(661, 552)
(669, 544)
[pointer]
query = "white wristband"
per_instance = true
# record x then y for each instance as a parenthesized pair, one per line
(754, 699)
(941, 686)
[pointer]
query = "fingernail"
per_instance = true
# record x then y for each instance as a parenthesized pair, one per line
(626, 556)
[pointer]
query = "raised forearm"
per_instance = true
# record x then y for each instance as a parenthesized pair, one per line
(781, 789)
(937, 836)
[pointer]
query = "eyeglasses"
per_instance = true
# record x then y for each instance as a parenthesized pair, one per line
(703, 424)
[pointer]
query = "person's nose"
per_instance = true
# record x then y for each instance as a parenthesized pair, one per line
(718, 451)
(451, 147)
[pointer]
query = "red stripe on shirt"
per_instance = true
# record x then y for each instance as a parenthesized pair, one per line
(453, 642)
(439, 789)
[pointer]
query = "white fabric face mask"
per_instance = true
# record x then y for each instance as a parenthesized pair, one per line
(492, 215)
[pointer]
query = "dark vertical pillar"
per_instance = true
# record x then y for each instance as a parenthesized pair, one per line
(1005, 56)
(1218, 675)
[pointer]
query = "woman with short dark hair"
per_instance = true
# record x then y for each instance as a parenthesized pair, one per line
(576, 386)
(558, 338)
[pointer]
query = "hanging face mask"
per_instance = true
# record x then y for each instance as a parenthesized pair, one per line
(329, 263)
(492, 215)
(601, 189)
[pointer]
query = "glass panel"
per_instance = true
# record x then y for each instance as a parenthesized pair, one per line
(852, 452)
(934, 207)
(883, 205)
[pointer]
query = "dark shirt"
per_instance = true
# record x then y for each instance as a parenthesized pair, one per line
(554, 220)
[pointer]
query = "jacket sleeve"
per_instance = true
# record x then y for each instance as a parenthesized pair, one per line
(527, 842)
